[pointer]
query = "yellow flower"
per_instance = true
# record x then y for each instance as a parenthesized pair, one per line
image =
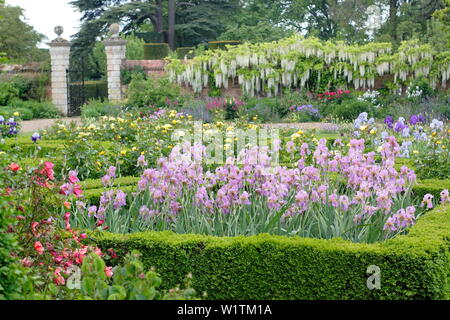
(300, 132)
(255, 118)
(1, 153)
(170, 147)
(134, 149)
(373, 131)
(230, 128)
(174, 122)
(416, 152)
(189, 117)
(123, 152)
(16, 114)
(434, 134)
(363, 128)
(102, 153)
(99, 164)
(439, 142)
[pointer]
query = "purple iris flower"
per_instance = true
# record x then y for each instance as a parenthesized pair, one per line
(35, 137)
(389, 121)
(399, 126)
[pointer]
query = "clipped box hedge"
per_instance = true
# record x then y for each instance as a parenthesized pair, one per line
(185, 52)
(413, 266)
(97, 89)
(222, 45)
(156, 51)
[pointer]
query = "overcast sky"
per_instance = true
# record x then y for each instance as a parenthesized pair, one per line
(44, 15)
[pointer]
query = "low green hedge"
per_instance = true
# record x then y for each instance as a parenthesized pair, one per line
(413, 266)
(92, 196)
(213, 45)
(156, 51)
(431, 186)
(92, 89)
(185, 52)
(90, 184)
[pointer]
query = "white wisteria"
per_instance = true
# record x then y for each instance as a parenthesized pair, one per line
(297, 62)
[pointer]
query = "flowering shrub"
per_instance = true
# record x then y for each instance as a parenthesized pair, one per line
(304, 113)
(372, 97)
(125, 139)
(230, 106)
(52, 255)
(425, 142)
(248, 196)
(334, 96)
(8, 128)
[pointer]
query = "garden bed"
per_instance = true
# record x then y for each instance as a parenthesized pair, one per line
(414, 266)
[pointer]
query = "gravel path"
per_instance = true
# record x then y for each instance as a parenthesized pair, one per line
(36, 125)
(305, 126)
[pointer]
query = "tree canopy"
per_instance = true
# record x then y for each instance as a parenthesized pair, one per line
(191, 22)
(18, 40)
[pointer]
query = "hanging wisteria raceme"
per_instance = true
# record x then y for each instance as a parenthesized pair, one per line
(295, 61)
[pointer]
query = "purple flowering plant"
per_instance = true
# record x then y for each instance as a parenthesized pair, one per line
(248, 195)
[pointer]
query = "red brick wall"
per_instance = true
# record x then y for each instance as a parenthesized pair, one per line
(156, 68)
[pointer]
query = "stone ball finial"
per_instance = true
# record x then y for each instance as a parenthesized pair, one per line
(59, 30)
(115, 29)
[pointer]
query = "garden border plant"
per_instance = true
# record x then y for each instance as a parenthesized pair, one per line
(413, 266)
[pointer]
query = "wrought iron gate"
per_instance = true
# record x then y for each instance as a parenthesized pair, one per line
(76, 96)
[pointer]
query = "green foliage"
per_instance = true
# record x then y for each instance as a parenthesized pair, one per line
(214, 45)
(156, 51)
(187, 52)
(348, 111)
(434, 162)
(129, 282)
(24, 113)
(10, 272)
(18, 39)
(8, 92)
(92, 89)
(273, 267)
(97, 108)
(431, 186)
(261, 32)
(135, 48)
(127, 74)
(35, 109)
(151, 92)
